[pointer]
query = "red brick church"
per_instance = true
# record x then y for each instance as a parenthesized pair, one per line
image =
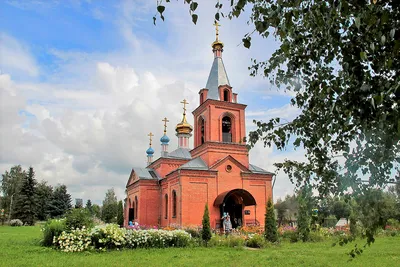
(174, 188)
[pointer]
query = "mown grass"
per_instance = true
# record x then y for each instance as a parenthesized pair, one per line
(19, 246)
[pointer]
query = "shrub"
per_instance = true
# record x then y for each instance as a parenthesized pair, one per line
(206, 231)
(74, 241)
(79, 218)
(157, 238)
(195, 233)
(51, 230)
(271, 231)
(16, 222)
(109, 236)
(226, 241)
(315, 237)
(255, 241)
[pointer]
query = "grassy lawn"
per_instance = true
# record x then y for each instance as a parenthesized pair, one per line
(19, 246)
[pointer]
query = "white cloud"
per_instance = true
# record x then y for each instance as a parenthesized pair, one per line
(16, 57)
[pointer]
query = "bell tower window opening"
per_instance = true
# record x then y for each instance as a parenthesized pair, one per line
(202, 130)
(226, 95)
(166, 206)
(173, 204)
(226, 129)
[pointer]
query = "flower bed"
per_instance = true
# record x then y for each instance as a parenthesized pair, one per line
(110, 236)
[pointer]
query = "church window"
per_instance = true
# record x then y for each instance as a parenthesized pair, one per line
(228, 168)
(226, 95)
(174, 204)
(166, 206)
(226, 129)
(202, 131)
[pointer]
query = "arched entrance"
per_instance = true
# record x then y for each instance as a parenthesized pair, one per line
(234, 202)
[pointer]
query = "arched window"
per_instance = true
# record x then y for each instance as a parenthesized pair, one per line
(226, 129)
(174, 204)
(202, 130)
(136, 208)
(166, 206)
(201, 98)
(226, 95)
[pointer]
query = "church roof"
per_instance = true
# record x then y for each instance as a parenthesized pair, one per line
(195, 164)
(182, 153)
(216, 78)
(146, 174)
(254, 168)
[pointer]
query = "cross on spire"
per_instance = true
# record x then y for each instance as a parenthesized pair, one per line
(216, 30)
(150, 137)
(165, 120)
(184, 102)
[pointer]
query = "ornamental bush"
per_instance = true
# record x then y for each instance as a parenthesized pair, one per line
(155, 238)
(79, 218)
(51, 230)
(108, 236)
(255, 241)
(75, 241)
(16, 222)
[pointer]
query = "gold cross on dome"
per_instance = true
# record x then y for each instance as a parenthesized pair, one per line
(165, 124)
(150, 135)
(184, 102)
(216, 29)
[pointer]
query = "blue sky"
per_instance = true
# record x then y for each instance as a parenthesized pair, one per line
(83, 82)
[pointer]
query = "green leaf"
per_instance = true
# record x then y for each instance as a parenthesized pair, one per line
(363, 55)
(194, 18)
(193, 6)
(160, 9)
(392, 32)
(154, 20)
(217, 16)
(357, 22)
(383, 39)
(247, 42)
(372, 46)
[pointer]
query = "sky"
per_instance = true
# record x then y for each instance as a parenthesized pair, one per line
(82, 83)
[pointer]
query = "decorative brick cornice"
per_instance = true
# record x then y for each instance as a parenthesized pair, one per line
(220, 146)
(162, 160)
(256, 176)
(214, 102)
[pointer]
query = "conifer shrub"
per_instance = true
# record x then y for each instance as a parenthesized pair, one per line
(271, 230)
(52, 229)
(79, 218)
(206, 231)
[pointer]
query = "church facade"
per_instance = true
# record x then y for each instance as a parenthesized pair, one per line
(174, 189)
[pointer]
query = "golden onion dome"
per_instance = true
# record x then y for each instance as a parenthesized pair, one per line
(184, 127)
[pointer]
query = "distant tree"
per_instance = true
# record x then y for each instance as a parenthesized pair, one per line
(206, 231)
(270, 231)
(44, 195)
(89, 206)
(120, 214)
(96, 209)
(281, 208)
(61, 202)
(10, 186)
(110, 207)
(25, 205)
(340, 208)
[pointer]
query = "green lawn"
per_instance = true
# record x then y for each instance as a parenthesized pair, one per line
(19, 247)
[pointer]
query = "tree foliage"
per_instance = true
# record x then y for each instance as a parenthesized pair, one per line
(60, 202)
(10, 186)
(89, 206)
(270, 231)
(44, 194)
(206, 231)
(120, 214)
(110, 207)
(305, 200)
(25, 204)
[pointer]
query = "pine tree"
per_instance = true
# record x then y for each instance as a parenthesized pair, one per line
(44, 194)
(206, 232)
(304, 217)
(89, 206)
(270, 231)
(120, 214)
(61, 202)
(25, 205)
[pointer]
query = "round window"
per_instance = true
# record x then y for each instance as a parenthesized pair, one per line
(228, 168)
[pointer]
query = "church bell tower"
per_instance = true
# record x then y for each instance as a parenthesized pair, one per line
(219, 121)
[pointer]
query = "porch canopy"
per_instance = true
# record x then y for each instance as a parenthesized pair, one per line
(248, 199)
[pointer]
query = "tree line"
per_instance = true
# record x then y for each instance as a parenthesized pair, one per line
(23, 197)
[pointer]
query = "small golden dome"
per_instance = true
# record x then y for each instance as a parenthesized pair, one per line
(184, 127)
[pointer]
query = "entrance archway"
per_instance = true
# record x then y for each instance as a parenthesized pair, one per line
(234, 202)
